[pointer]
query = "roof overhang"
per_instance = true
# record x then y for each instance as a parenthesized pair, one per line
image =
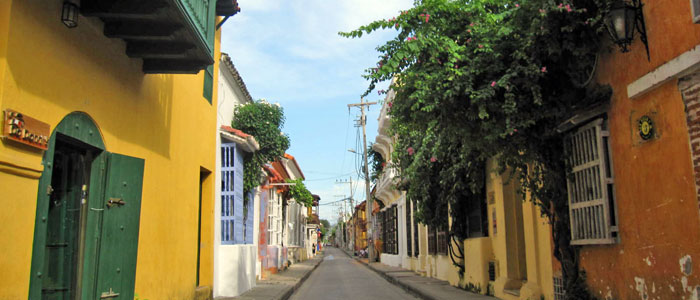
(246, 142)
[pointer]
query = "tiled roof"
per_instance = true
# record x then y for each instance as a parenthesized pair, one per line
(290, 157)
(236, 76)
(235, 131)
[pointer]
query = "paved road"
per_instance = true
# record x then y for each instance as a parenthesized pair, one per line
(340, 277)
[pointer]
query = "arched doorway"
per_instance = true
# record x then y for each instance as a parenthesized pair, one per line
(88, 207)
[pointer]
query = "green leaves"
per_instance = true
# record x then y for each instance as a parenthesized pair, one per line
(299, 193)
(264, 121)
(483, 79)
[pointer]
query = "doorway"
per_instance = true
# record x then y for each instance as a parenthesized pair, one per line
(66, 219)
(87, 217)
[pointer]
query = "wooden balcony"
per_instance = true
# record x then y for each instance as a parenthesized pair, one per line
(171, 36)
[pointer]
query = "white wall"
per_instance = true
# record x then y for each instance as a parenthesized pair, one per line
(235, 270)
(234, 265)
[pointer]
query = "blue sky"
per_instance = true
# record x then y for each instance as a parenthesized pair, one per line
(289, 52)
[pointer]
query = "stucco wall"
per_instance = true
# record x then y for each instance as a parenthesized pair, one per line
(235, 270)
(49, 71)
(654, 181)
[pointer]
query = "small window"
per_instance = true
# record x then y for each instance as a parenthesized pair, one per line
(590, 185)
(695, 10)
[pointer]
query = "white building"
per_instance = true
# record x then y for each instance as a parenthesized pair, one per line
(235, 251)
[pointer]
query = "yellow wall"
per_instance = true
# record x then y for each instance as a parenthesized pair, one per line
(530, 271)
(48, 71)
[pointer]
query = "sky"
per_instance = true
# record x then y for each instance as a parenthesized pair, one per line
(290, 52)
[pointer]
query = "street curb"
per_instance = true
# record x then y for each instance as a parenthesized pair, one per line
(291, 291)
(394, 281)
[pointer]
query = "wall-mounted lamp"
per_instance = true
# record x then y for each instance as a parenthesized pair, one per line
(69, 15)
(624, 18)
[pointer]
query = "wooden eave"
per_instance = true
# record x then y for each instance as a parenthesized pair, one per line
(158, 31)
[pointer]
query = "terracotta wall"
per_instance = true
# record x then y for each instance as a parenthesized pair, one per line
(654, 180)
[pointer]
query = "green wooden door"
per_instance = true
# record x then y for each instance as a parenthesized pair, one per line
(116, 219)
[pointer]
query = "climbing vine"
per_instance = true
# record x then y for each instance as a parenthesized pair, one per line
(300, 193)
(489, 79)
(264, 121)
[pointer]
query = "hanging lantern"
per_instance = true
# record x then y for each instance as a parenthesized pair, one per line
(623, 20)
(69, 15)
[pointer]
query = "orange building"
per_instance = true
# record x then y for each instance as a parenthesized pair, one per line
(639, 239)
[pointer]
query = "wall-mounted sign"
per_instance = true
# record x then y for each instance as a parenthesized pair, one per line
(29, 131)
(646, 127)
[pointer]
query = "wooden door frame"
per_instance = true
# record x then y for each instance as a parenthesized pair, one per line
(81, 127)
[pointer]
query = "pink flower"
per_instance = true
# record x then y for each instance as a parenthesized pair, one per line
(410, 150)
(493, 83)
(542, 11)
(471, 24)
(544, 69)
(515, 130)
(517, 5)
(456, 67)
(433, 159)
(396, 25)
(469, 30)
(586, 22)
(568, 8)
(427, 17)
(390, 104)
(481, 46)
(560, 5)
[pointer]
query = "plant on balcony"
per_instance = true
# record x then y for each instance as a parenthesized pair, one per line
(481, 79)
(264, 121)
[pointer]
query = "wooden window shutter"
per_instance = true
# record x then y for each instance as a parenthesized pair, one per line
(118, 227)
(208, 92)
(590, 184)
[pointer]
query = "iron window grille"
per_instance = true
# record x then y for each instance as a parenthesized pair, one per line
(409, 242)
(416, 249)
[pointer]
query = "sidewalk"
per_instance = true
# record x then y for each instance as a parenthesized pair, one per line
(280, 286)
(423, 287)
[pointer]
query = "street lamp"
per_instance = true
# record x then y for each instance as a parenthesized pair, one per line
(623, 19)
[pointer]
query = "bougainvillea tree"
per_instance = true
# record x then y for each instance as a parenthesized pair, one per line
(489, 79)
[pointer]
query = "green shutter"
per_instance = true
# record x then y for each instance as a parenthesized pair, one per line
(118, 245)
(209, 82)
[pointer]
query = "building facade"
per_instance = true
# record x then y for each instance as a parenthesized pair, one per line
(649, 130)
(106, 177)
(237, 213)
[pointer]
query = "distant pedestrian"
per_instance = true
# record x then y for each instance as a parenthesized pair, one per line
(313, 249)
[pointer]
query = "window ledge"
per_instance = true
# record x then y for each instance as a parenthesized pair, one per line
(677, 67)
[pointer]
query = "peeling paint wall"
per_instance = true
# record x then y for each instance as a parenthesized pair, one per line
(657, 201)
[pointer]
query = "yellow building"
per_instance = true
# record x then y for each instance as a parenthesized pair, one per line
(508, 253)
(120, 201)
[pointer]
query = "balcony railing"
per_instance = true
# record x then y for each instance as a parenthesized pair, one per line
(171, 36)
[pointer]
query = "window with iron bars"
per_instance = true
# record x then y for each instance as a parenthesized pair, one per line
(390, 232)
(409, 241)
(416, 249)
(590, 185)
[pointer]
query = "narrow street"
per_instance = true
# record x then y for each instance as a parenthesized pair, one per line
(340, 277)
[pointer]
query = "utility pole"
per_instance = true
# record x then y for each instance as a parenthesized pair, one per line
(370, 229)
(352, 208)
